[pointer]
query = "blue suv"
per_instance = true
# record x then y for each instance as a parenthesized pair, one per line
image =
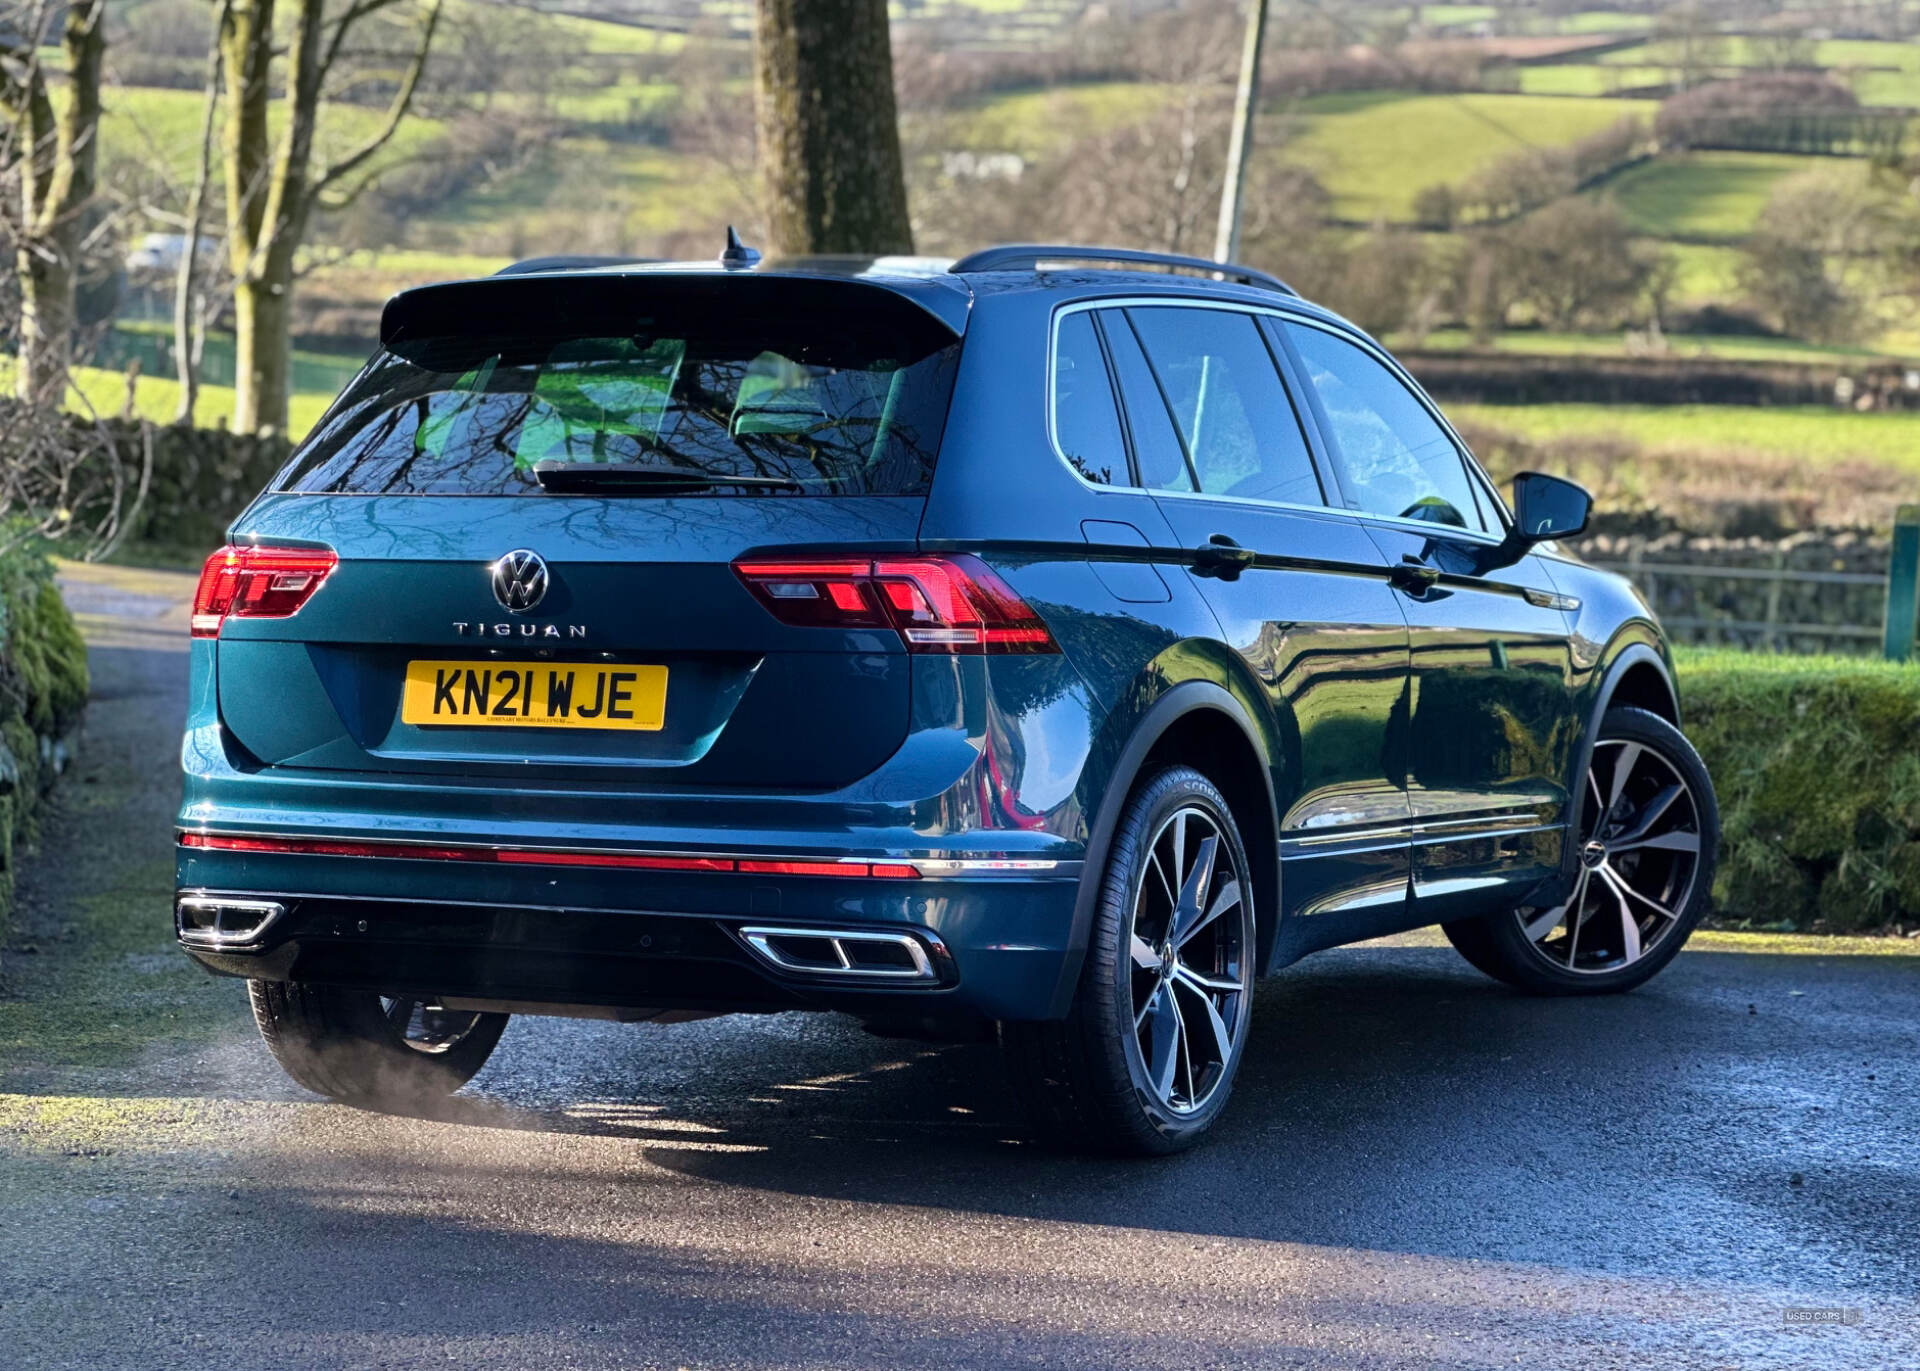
(1043, 646)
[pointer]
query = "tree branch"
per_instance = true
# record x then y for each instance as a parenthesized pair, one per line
(353, 15)
(395, 112)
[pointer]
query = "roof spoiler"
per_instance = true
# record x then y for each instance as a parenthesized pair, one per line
(564, 301)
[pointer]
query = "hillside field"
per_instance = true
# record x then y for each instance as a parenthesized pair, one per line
(1374, 151)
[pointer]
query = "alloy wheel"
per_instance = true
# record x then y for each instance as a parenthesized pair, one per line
(426, 1026)
(1639, 856)
(1189, 965)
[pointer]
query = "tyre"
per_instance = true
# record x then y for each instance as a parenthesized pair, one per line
(361, 1047)
(1146, 1057)
(1648, 836)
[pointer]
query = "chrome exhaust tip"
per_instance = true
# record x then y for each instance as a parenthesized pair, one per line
(223, 922)
(845, 954)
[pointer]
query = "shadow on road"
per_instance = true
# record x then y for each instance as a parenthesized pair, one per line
(1389, 1101)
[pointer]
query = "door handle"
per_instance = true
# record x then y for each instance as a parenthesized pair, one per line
(1222, 557)
(1413, 576)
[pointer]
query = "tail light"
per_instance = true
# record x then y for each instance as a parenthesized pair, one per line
(256, 583)
(944, 604)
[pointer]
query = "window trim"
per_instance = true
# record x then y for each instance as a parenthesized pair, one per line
(1282, 366)
(1120, 421)
(1476, 475)
(1282, 370)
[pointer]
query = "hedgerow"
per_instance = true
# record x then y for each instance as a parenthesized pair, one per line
(43, 689)
(1816, 761)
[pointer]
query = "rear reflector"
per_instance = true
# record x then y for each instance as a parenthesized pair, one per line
(941, 604)
(520, 856)
(256, 583)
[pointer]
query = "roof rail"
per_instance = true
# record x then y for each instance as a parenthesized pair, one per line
(571, 263)
(1029, 256)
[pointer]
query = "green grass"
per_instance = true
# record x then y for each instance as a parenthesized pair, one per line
(1705, 273)
(414, 266)
(1881, 73)
(151, 125)
(624, 102)
(1605, 21)
(1455, 16)
(638, 190)
(1586, 78)
(1732, 348)
(156, 397)
(1716, 195)
(151, 342)
(1806, 433)
(599, 37)
(1376, 150)
(1036, 123)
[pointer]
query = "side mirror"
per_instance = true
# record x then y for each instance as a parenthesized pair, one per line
(1547, 507)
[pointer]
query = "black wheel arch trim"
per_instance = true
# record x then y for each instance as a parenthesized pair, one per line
(1625, 659)
(1175, 704)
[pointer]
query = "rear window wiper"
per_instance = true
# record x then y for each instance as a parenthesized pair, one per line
(613, 478)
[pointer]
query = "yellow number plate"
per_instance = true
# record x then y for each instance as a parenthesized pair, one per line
(535, 695)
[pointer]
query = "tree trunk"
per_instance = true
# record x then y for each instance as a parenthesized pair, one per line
(262, 347)
(46, 325)
(57, 182)
(829, 136)
(272, 192)
(263, 351)
(187, 314)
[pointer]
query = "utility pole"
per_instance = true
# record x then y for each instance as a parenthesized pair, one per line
(1226, 243)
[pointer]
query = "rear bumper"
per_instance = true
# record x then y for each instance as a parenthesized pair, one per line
(995, 942)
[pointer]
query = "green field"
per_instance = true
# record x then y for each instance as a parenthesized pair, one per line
(1588, 79)
(1606, 21)
(1456, 16)
(597, 37)
(105, 393)
(1703, 195)
(602, 183)
(1726, 348)
(1804, 433)
(1375, 151)
(162, 127)
(1037, 123)
(1880, 73)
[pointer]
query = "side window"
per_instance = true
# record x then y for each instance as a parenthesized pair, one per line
(1242, 435)
(1085, 422)
(1393, 457)
(1156, 447)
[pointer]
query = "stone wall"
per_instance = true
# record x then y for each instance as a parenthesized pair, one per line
(1827, 582)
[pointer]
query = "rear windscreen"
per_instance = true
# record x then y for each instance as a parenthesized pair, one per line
(801, 400)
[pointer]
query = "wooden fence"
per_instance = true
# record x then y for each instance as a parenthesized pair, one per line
(1782, 607)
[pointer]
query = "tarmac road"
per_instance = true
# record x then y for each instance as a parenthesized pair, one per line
(1419, 1169)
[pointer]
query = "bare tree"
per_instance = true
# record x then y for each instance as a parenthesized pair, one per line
(56, 154)
(188, 327)
(1690, 43)
(1574, 263)
(1152, 179)
(273, 191)
(1824, 238)
(828, 129)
